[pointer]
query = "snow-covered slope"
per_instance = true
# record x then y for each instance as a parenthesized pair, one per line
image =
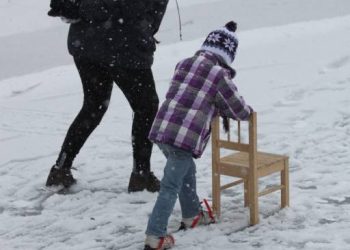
(31, 41)
(295, 76)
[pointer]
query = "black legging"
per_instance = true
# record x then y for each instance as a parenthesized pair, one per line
(139, 89)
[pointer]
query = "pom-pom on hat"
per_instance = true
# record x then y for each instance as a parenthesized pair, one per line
(223, 42)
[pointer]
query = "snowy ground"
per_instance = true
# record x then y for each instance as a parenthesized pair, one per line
(296, 77)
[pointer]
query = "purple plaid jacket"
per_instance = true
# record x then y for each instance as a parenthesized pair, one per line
(200, 89)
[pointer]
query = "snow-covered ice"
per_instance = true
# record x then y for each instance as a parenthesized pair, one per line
(296, 76)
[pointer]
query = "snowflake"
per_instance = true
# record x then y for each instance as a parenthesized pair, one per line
(229, 44)
(214, 37)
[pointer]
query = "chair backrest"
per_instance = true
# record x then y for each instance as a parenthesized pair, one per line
(237, 145)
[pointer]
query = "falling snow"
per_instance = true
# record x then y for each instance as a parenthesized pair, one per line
(295, 75)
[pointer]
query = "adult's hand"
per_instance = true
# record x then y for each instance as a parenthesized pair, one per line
(55, 6)
(65, 8)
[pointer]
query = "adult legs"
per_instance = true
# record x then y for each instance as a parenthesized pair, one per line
(139, 88)
(97, 87)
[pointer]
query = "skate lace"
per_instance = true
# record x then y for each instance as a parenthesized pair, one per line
(166, 242)
(205, 216)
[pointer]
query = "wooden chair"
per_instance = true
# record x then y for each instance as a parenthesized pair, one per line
(248, 165)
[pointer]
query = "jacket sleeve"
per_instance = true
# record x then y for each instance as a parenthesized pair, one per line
(229, 102)
(157, 14)
(99, 10)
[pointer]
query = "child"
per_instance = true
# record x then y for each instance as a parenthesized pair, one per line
(201, 88)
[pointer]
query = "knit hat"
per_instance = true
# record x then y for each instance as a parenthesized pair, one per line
(223, 42)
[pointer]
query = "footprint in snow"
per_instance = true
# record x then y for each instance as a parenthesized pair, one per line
(292, 99)
(341, 62)
(25, 90)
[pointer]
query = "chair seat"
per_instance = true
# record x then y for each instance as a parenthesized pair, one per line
(237, 164)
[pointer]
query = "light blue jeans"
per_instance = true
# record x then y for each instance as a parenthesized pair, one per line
(179, 180)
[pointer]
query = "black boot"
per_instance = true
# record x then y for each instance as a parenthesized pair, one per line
(60, 176)
(140, 181)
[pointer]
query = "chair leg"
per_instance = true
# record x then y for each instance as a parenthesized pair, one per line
(216, 194)
(253, 198)
(285, 183)
(246, 193)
